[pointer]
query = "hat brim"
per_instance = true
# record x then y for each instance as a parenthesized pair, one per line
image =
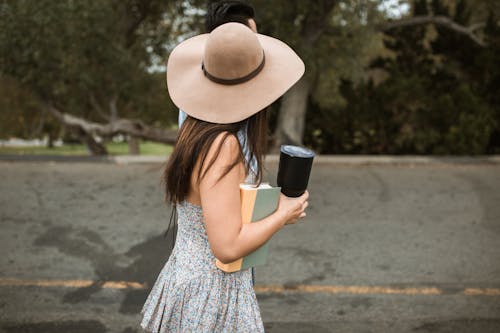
(203, 99)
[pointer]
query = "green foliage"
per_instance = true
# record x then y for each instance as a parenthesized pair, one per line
(82, 56)
(19, 114)
(440, 95)
(336, 39)
(415, 90)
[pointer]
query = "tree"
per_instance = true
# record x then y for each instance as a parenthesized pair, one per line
(19, 114)
(90, 59)
(336, 39)
(88, 63)
(432, 94)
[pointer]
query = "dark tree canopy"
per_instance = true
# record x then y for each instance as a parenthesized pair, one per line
(424, 82)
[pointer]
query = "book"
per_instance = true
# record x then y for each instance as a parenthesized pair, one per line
(256, 204)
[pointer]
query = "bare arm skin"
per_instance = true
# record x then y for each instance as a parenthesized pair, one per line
(229, 239)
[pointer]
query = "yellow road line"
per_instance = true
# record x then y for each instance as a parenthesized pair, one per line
(482, 291)
(73, 283)
(349, 290)
(261, 289)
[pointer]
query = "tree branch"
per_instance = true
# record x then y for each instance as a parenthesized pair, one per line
(475, 26)
(113, 110)
(135, 14)
(316, 21)
(437, 20)
(97, 107)
(120, 126)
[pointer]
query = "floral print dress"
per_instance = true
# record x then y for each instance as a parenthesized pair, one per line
(192, 295)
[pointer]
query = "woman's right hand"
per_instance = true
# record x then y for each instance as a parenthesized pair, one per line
(292, 209)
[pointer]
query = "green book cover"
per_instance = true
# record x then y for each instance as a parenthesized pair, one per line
(256, 204)
(266, 202)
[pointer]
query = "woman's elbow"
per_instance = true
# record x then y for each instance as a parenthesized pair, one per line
(226, 256)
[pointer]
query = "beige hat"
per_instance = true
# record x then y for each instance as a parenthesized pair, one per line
(230, 74)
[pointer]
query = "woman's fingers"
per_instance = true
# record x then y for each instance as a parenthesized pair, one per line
(299, 206)
(305, 196)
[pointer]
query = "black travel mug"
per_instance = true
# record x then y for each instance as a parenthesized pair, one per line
(294, 170)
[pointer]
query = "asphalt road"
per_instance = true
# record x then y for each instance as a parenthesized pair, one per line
(383, 249)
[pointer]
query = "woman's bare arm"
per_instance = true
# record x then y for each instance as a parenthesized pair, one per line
(221, 204)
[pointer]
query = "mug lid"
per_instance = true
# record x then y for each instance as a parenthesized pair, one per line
(296, 151)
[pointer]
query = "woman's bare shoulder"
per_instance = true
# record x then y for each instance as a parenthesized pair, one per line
(224, 157)
(229, 148)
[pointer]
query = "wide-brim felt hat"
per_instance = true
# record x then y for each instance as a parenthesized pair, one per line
(230, 74)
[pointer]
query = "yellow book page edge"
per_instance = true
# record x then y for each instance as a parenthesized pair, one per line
(248, 196)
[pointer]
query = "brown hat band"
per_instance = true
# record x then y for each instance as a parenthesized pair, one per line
(237, 80)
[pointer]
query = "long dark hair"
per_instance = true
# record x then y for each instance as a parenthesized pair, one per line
(194, 141)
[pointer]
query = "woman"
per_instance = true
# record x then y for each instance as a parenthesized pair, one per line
(222, 80)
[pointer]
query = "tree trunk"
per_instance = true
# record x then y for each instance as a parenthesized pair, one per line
(133, 145)
(292, 113)
(93, 146)
(50, 140)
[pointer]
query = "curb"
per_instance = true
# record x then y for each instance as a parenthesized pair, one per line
(56, 158)
(409, 160)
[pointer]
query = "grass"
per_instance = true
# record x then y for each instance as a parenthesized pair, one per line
(114, 148)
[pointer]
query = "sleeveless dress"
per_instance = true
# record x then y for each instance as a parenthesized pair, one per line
(192, 295)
